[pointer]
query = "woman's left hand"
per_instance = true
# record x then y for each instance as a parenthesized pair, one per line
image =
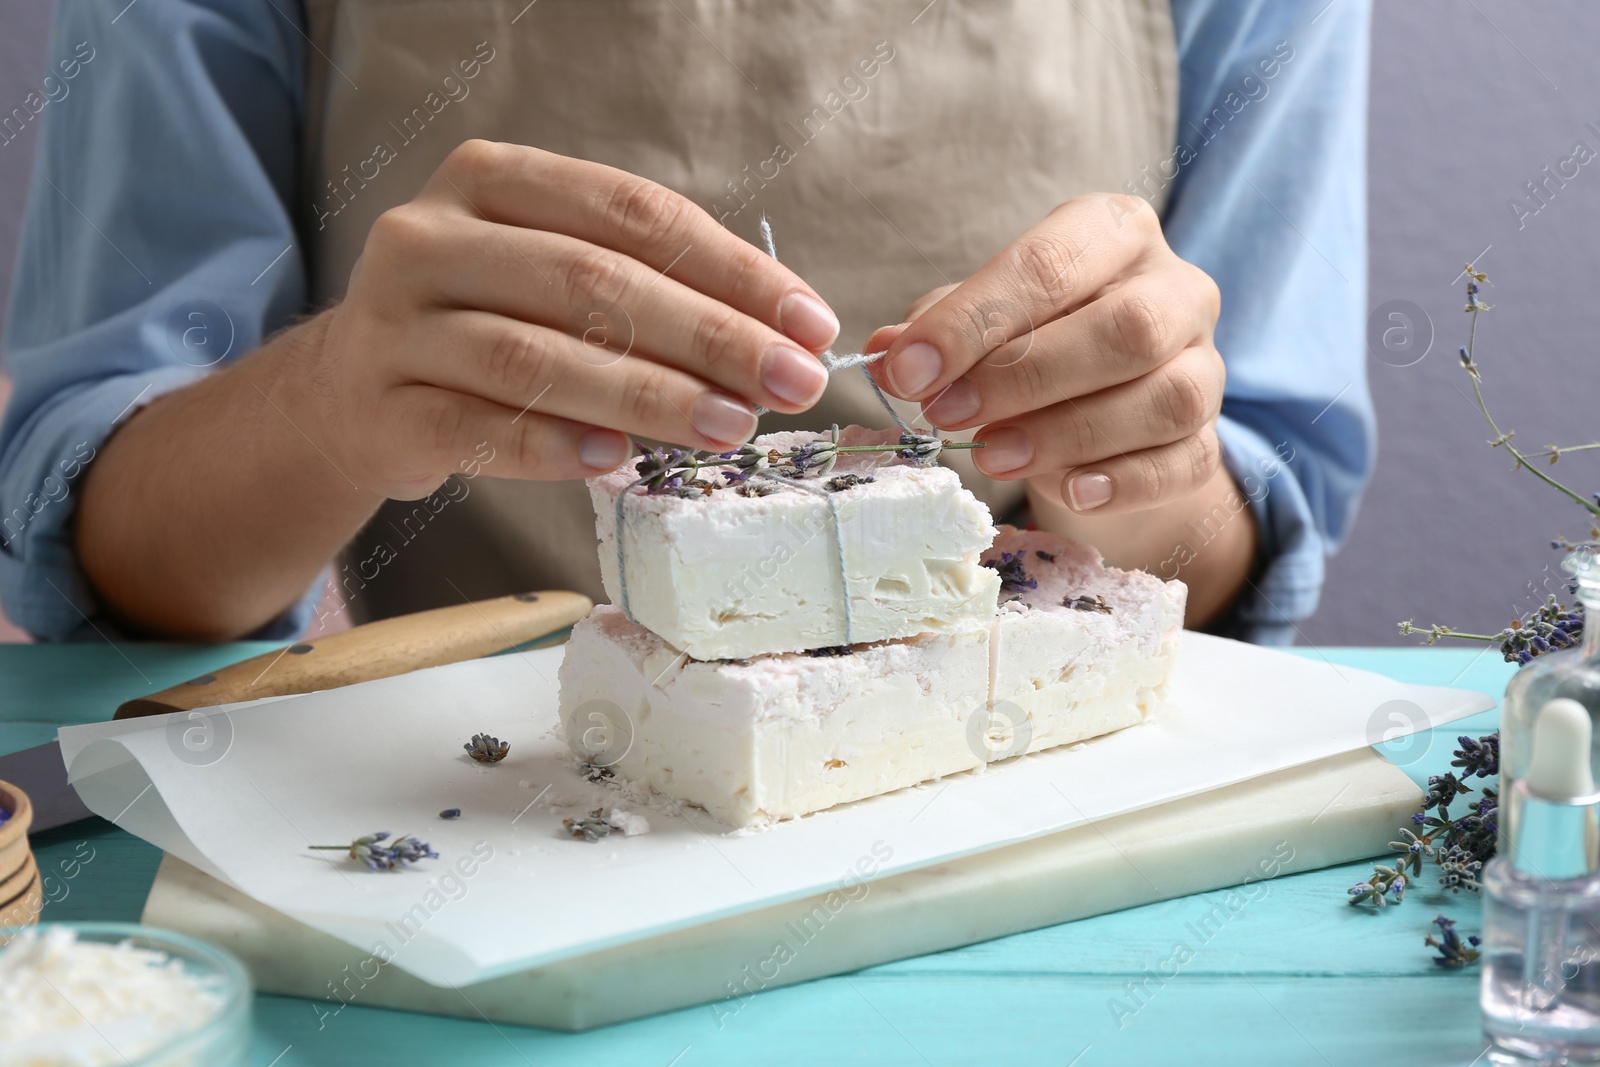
(1085, 353)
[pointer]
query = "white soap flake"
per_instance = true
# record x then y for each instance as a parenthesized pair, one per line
(627, 822)
(87, 1003)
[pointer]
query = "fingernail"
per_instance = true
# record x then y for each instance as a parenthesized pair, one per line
(793, 376)
(1003, 450)
(604, 450)
(884, 336)
(1085, 492)
(914, 368)
(955, 405)
(723, 418)
(806, 319)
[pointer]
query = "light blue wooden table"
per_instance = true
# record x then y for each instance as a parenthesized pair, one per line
(1295, 977)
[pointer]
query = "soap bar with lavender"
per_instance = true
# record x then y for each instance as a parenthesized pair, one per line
(1077, 649)
(754, 568)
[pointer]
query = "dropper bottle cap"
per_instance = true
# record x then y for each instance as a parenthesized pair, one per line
(1556, 835)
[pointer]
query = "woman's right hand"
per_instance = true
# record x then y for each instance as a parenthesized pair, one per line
(551, 307)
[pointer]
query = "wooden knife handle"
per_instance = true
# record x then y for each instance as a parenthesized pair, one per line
(376, 650)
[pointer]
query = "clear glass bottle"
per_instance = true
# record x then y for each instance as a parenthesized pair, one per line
(1573, 673)
(1540, 991)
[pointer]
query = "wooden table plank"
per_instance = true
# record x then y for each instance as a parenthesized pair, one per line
(1292, 977)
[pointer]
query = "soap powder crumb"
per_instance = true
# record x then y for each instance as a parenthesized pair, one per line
(600, 787)
(630, 824)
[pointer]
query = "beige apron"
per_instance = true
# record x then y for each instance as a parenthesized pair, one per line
(895, 148)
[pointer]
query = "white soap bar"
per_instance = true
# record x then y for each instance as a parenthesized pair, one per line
(778, 736)
(729, 575)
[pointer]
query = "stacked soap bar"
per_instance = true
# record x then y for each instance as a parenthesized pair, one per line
(755, 568)
(1060, 648)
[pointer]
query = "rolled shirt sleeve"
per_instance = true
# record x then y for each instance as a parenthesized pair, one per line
(158, 244)
(1267, 193)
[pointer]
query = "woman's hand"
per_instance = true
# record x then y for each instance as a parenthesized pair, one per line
(551, 307)
(1085, 353)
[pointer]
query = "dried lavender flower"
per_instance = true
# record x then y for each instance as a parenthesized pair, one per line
(450, 813)
(377, 855)
(1087, 603)
(1458, 869)
(746, 460)
(1412, 850)
(590, 828)
(829, 650)
(840, 482)
(1048, 557)
(921, 449)
(487, 749)
(1547, 629)
(819, 454)
(1442, 789)
(1387, 886)
(1014, 578)
(656, 466)
(1480, 757)
(1453, 952)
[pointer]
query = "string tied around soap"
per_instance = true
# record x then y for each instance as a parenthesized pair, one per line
(824, 460)
(920, 448)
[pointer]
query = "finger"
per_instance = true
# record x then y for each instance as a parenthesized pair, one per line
(884, 336)
(1177, 400)
(928, 299)
(435, 427)
(1125, 334)
(597, 293)
(531, 188)
(532, 368)
(1055, 267)
(1144, 479)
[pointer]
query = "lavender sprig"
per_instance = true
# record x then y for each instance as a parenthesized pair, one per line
(1453, 952)
(1548, 628)
(372, 851)
(1502, 438)
(674, 471)
(1459, 845)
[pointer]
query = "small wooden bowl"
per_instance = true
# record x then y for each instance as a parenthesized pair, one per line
(24, 911)
(15, 891)
(16, 859)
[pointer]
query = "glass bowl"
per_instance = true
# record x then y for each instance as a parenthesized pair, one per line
(223, 1040)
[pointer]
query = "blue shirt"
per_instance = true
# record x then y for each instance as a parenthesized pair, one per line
(160, 182)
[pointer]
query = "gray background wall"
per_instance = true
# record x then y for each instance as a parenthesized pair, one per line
(1469, 101)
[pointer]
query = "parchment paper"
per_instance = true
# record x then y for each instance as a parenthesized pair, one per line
(242, 790)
